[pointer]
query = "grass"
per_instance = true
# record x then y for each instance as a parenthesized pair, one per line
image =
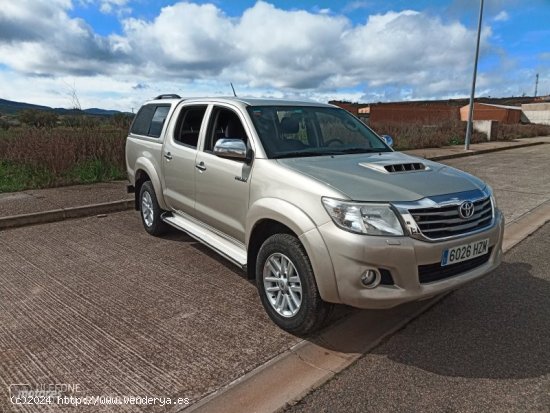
(18, 177)
(94, 170)
(418, 136)
(42, 158)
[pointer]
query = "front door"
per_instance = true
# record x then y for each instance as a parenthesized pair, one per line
(222, 185)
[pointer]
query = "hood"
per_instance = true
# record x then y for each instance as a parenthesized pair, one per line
(367, 177)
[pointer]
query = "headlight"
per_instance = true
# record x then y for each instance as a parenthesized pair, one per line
(363, 218)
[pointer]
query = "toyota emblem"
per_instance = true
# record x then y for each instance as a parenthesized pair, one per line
(466, 210)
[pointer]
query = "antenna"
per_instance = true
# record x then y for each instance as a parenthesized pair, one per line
(536, 84)
(234, 94)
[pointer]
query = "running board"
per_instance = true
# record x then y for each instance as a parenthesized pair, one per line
(229, 250)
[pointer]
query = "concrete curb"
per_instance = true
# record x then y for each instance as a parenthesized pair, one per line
(293, 374)
(483, 151)
(65, 213)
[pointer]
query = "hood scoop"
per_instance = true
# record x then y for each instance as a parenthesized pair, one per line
(396, 167)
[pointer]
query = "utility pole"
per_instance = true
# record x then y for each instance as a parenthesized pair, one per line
(471, 110)
(536, 84)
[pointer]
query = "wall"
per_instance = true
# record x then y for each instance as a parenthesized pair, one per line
(537, 113)
(425, 113)
(488, 127)
(490, 112)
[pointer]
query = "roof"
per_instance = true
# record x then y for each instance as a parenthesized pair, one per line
(246, 101)
(496, 106)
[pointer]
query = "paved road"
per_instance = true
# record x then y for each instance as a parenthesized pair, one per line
(484, 348)
(99, 303)
(519, 177)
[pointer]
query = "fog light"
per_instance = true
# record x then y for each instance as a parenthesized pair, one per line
(370, 278)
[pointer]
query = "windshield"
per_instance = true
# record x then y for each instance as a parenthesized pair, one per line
(295, 131)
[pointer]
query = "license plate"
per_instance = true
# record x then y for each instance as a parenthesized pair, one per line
(464, 252)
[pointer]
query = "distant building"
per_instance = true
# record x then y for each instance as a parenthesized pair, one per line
(502, 110)
(536, 113)
(349, 106)
(410, 112)
(487, 111)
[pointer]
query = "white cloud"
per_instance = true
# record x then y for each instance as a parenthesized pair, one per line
(118, 7)
(266, 51)
(502, 16)
(356, 5)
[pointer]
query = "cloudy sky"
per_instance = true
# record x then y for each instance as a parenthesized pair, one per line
(117, 53)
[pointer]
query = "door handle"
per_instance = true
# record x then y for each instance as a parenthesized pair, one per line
(200, 166)
(168, 155)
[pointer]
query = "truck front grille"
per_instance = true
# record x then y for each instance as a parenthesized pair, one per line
(445, 221)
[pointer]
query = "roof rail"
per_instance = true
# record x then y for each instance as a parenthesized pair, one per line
(168, 96)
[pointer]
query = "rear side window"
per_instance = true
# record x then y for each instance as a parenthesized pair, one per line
(189, 125)
(150, 120)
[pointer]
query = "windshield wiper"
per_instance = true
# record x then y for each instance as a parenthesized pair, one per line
(299, 154)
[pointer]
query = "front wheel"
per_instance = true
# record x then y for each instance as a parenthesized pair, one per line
(287, 286)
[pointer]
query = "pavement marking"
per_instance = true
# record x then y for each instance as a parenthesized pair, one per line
(310, 363)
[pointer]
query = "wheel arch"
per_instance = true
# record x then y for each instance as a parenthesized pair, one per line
(271, 216)
(145, 171)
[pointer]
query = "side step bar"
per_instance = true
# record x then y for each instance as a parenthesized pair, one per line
(229, 250)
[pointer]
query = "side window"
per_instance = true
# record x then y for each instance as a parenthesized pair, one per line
(158, 121)
(224, 123)
(189, 125)
(149, 120)
(140, 125)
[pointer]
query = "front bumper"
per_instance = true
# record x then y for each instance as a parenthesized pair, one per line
(353, 254)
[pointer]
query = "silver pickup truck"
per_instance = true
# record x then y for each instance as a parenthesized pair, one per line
(311, 203)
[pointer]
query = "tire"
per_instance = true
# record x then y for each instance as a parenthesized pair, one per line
(150, 211)
(293, 301)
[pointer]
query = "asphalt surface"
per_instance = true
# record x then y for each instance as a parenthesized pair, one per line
(519, 177)
(484, 348)
(98, 303)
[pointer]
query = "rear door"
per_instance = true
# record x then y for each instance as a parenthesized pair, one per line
(179, 153)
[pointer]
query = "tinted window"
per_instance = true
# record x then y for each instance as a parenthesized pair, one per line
(158, 120)
(141, 123)
(189, 125)
(149, 120)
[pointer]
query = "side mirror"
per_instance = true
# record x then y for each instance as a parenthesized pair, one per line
(232, 149)
(388, 139)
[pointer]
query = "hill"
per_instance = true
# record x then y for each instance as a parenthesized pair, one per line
(11, 107)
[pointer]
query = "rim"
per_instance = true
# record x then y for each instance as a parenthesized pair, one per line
(147, 208)
(282, 285)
